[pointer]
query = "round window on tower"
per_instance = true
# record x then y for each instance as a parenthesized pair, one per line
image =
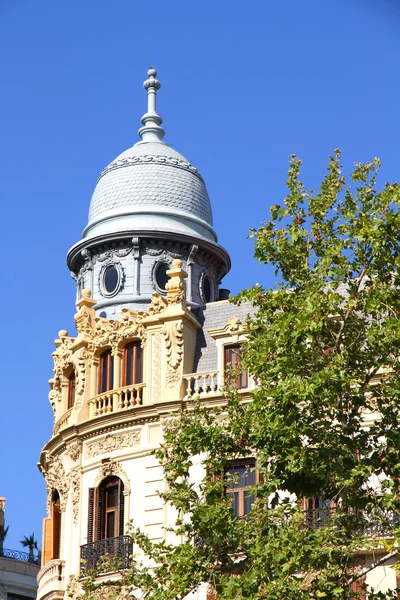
(206, 288)
(110, 279)
(160, 276)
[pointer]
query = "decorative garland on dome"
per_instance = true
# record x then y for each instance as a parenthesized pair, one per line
(150, 159)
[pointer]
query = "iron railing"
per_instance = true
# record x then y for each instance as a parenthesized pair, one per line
(18, 555)
(106, 555)
(379, 524)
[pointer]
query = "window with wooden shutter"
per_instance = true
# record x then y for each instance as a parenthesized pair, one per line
(109, 505)
(132, 371)
(106, 372)
(234, 374)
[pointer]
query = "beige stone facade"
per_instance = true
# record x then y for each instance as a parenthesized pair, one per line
(113, 433)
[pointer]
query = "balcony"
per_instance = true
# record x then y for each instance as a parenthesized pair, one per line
(117, 400)
(51, 578)
(107, 555)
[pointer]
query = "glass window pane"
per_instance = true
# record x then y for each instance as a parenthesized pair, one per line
(235, 504)
(112, 496)
(248, 501)
(139, 364)
(110, 280)
(128, 365)
(110, 524)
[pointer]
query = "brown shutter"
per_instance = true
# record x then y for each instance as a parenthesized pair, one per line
(121, 510)
(100, 513)
(47, 540)
(90, 515)
(358, 587)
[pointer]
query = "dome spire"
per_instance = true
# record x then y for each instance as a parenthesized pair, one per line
(151, 130)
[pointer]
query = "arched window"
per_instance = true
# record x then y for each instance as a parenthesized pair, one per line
(106, 372)
(106, 510)
(71, 390)
(133, 364)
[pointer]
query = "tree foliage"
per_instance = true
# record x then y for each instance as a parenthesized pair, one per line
(323, 348)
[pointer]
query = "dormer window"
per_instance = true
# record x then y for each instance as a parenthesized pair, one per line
(133, 364)
(106, 372)
(235, 375)
(71, 390)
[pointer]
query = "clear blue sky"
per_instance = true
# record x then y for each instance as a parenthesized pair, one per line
(245, 84)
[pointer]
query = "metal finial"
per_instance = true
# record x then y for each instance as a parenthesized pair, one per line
(151, 130)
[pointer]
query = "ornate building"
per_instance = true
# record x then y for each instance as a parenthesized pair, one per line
(153, 328)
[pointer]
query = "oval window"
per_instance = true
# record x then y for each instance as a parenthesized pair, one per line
(207, 289)
(161, 276)
(110, 279)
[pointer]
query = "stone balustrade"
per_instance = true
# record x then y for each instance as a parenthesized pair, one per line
(201, 385)
(51, 578)
(62, 421)
(117, 400)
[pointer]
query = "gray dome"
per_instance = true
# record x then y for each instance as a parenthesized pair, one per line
(150, 187)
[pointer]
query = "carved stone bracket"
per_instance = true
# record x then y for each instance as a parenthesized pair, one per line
(173, 334)
(56, 479)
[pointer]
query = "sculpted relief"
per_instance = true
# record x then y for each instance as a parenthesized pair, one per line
(110, 442)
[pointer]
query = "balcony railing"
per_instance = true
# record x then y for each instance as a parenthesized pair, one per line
(205, 385)
(117, 400)
(62, 421)
(51, 577)
(106, 555)
(379, 525)
(18, 555)
(201, 385)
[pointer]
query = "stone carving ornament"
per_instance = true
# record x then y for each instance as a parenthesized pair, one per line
(56, 479)
(111, 467)
(75, 481)
(74, 450)
(173, 334)
(110, 443)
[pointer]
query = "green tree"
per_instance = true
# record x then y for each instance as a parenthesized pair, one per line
(324, 350)
(3, 535)
(31, 543)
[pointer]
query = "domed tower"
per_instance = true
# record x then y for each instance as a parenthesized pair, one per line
(150, 337)
(149, 207)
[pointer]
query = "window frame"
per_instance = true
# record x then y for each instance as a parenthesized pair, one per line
(106, 355)
(136, 373)
(71, 389)
(242, 376)
(250, 464)
(98, 510)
